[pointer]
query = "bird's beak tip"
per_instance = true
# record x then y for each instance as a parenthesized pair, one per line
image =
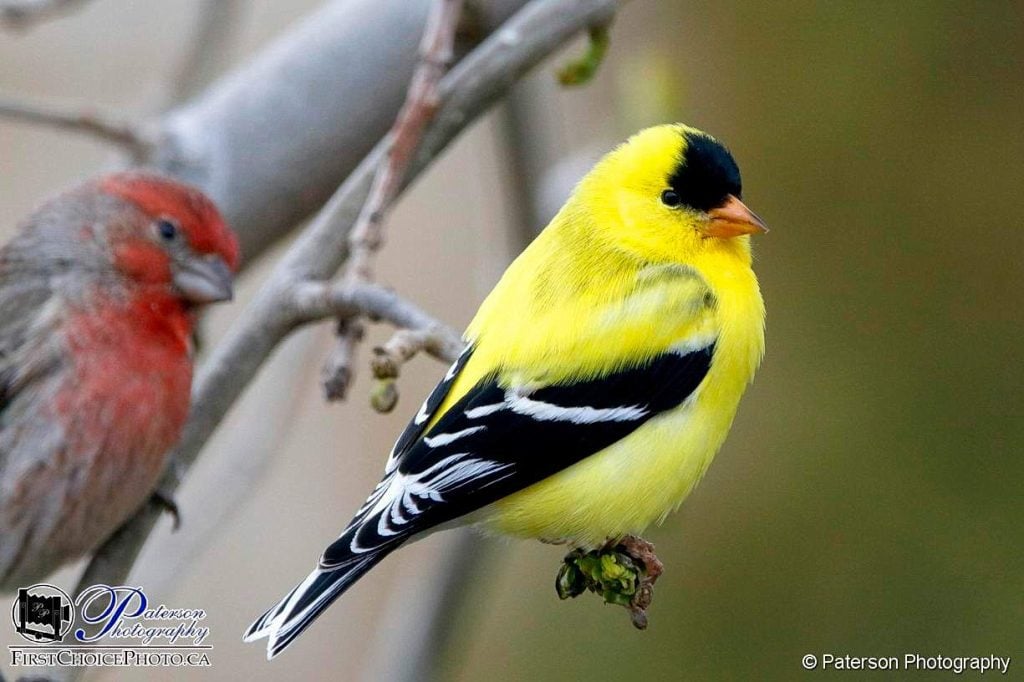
(733, 219)
(205, 280)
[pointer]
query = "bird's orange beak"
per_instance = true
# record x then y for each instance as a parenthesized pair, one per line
(732, 219)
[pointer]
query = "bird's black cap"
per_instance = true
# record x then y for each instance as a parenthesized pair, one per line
(706, 174)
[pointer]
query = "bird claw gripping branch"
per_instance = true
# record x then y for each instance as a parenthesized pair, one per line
(623, 572)
(166, 502)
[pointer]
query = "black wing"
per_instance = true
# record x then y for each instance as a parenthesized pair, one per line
(496, 441)
(491, 443)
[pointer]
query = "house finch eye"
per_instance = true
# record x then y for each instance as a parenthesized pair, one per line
(167, 229)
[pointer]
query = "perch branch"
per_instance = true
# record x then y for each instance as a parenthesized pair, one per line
(294, 291)
(108, 128)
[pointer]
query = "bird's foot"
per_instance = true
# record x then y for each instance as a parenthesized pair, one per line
(166, 502)
(642, 551)
(623, 572)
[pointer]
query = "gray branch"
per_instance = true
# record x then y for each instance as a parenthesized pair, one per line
(271, 141)
(208, 49)
(83, 119)
(24, 14)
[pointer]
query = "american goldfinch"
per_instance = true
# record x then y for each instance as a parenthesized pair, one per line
(600, 376)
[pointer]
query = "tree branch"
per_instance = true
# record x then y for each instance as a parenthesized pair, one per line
(580, 71)
(208, 48)
(367, 235)
(24, 14)
(337, 373)
(84, 120)
(265, 142)
(436, 51)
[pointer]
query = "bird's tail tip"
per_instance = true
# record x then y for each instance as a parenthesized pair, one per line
(291, 616)
(267, 625)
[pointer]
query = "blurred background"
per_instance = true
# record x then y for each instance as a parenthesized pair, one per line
(868, 500)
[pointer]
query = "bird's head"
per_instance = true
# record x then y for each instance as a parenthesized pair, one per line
(159, 232)
(675, 192)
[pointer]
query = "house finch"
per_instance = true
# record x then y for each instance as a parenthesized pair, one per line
(97, 298)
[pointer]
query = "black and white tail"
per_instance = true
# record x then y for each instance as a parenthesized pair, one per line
(300, 607)
(360, 547)
(380, 526)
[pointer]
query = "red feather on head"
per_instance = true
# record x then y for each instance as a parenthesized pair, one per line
(199, 219)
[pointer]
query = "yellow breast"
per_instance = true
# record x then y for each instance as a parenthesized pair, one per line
(639, 480)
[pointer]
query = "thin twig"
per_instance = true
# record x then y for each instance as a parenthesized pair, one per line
(403, 346)
(337, 371)
(24, 14)
(367, 235)
(82, 120)
(421, 103)
(467, 91)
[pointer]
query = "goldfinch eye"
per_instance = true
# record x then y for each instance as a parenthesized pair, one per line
(167, 230)
(670, 198)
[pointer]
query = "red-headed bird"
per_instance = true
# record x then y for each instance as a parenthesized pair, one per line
(98, 291)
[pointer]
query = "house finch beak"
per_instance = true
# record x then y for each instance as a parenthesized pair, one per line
(97, 298)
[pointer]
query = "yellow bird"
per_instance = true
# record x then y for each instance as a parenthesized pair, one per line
(600, 377)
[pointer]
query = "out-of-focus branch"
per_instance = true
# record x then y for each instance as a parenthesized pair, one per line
(134, 139)
(271, 141)
(208, 48)
(24, 14)
(580, 71)
(268, 141)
